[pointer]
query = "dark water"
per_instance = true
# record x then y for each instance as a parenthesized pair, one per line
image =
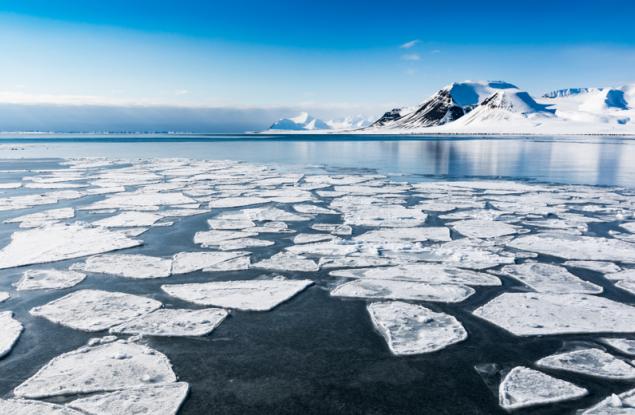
(316, 354)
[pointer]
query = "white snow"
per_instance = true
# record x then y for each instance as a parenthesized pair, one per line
(549, 278)
(397, 235)
(10, 333)
(474, 228)
(40, 279)
(597, 266)
(576, 247)
(185, 262)
(35, 220)
(30, 407)
(174, 322)
(285, 261)
(237, 264)
(230, 202)
(129, 219)
(403, 290)
(127, 265)
(591, 362)
(95, 310)
(333, 228)
(413, 329)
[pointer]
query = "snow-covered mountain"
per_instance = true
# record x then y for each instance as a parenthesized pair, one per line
(301, 122)
(350, 123)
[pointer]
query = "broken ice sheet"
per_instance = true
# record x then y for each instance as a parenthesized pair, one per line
(626, 346)
(529, 314)
(58, 242)
(523, 387)
(474, 228)
(11, 330)
(305, 238)
(591, 362)
(403, 290)
(628, 286)
(253, 295)
(4, 296)
(230, 224)
(284, 261)
(30, 407)
(314, 210)
(336, 247)
(218, 237)
(230, 202)
(576, 247)
(237, 264)
(622, 404)
(99, 368)
(34, 220)
(413, 329)
(185, 262)
(397, 235)
(548, 278)
(597, 266)
(127, 265)
(333, 228)
(243, 243)
(95, 310)
(466, 253)
(129, 219)
(174, 322)
(52, 279)
(165, 399)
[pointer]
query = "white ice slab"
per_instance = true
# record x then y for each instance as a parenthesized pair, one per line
(230, 225)
(231, 202)
(129, 219)
(576, 247)
(474, 228)
(548, 278)
(244, 243)
(466, 253)
(100, 368)
(591, 362)
(149, 400)
(306, 238)
(35, 220)
(59, 242)
(31, 407)
(127, 265)
(523, 387)
(95, 310)
(314, 210)
(141, 201)
(329, 248)
(413, 329)
(185, 262)
(237, 264)
(51, 279)
(628, 286)
(174, 322)
(218, 237)
(284, 261)
(529, 314)
(626, 346)
(396, 235)
(403, 290)
(625, 275)
(9, 333)
(4, 296)
(597, 266)
(622, 404)
(333, 228)
(254, 295)
(356, 261)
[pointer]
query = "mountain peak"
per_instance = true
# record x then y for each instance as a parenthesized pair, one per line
(301, 122)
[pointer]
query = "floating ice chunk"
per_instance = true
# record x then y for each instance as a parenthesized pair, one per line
(548, 278)
(356, 261)
(389, 216)
(396, 235)
(237, 264)
(576, 247)
(100, 368)
(304, 238)
(4, 296)
(626, 286)
(30, 407)
(591, 362)
(54, 185)
(52, 279)
(474, 228)
(254, 295)
(10, 185)
(174, 322)
(244, 243)
(403, 290)
(622, 404)
(230, 202)
(314, 210)
(151, 400)
(95, 310)
(141, 201)
(11, 330)
(330, 248)
(333, 228)
(466, 253)
(272, 214)
(629, 226)
(127, 265)
(413, 329)
(225, 224)
(425, 273)
(626, 346)
(529, 314)
(625, 275)
(523, 387)
(34, 220)
(185, 262)
(218, 237)
(59, 242)
(270, 227)
(597, 266)
(129, 219)
(285, 261)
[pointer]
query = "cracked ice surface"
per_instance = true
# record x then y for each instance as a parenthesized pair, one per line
(39, 279)
(403, 290)
(31, 407)
(626, 346)
(95, 310)
(100, 368)
(185, 262)
(523, 387)
(528, 314)
(285, 261)
(10, 333)
(35, 220)
(576, 247)
(413, 329)
(591, 362)
(548, 278)
(622, 404)
(474, 228)
(174, 322)
(127, 265)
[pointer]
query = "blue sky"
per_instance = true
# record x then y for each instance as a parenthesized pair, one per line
(333, 57)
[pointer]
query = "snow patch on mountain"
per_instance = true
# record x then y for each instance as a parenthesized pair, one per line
(301, 122)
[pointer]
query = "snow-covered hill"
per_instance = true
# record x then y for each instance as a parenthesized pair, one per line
(301, 122)
(350, 123)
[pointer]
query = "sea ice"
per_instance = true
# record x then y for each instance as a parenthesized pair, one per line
(413, 329)
(403, 290)
(314, 210)
(474, 228)
(625, 275)
(253, 295)
(591, 362)
(11, 330)
(597, 266)
(163, 399)
(231, 202)
(622, 404)
(243, 243)
(140, 201)
(4, 296)
(466, 253)
(185, 262)
(398, 235)
(218, 237)
(626, 346)
(284, 261)
(333, 228)
(523, 387)
(100, 368)
(30, 407)
(305, 238)
(129, 219)
(529, 314)
(174, 322)
(40, 279)
(230, 225)
(95, 310)
(58, 242)
(127, 265)
(35, 220)
(548, 278)
(576, 247)
(330, 248)
(626, 286)
(237, 264)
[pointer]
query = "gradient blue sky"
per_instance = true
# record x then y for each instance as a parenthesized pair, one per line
(331, 56)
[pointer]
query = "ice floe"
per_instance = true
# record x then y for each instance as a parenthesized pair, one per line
(413, 329)
(597, 266)
(51, 279)
(285, 261)
(474, 228)
(10, 333)
(174, 322)
(219, 237)
(35, 220)
(95, 310)
(626, 346)
(236, 264)
(576, 247)
(229, 225)
(58, 242)
(99, 368)
(622, 404)
(4, 296)
(314, 210)
(549, 278)
(129, 219)
(333, 228)
(397, 235)
(528, 314)
(466, 253)
(523, 387)
(591, 362)
(185, 262)
(31, 407)
(231, 202)
(403, 290)
(305, 238)
(127, 265)
(253, 295)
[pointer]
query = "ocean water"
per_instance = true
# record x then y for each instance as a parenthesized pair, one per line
(316, 354)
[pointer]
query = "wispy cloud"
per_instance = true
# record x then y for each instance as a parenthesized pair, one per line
(411, 57)
(410, 44)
